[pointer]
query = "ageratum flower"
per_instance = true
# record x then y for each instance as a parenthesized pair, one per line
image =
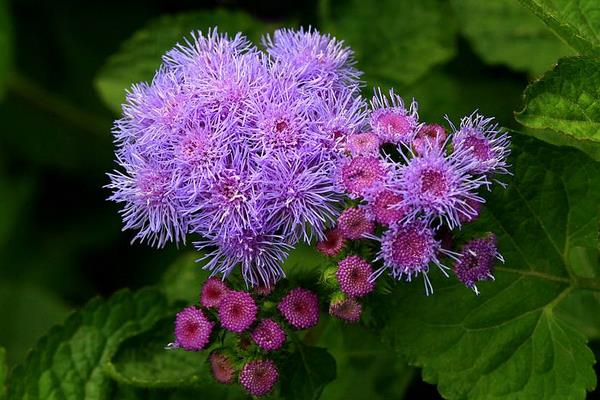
(353, 275)
(318, 59)
(238, 147)
(259, 376)
(476, 261)
(437, 185)
(391, 121)
(300, 308)
(348, 309)
(268, 335)
(237, 311)
(192, 329)
(212, 293)
(485, 142)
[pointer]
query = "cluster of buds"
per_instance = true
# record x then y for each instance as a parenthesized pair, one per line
(259, 323)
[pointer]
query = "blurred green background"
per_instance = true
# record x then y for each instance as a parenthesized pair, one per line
(61, 241)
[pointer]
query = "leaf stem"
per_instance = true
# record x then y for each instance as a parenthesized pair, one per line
(587, 283)
(54, 105)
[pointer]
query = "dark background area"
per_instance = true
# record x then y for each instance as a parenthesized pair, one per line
(60, 240)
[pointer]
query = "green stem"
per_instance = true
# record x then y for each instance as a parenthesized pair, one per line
(51, 104)
(587, 283)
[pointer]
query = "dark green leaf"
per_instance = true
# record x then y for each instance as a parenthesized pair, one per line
(67, 363)
(366, 368)
(510, 35)
(567, 100)
(3, 372)
(5, 45)
(140, 56)
(393, 40)
(510, 342)
(577, 22)
(305, 373)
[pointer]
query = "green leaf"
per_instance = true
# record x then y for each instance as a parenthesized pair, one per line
(567, 100)
(393, 40)
(5, 45)
(67, 363)
(366, 368)
(510, 342)
(3, 373)
(183, 279)
(140, 56)
(577, 22)
(511, 35)
(305, 372)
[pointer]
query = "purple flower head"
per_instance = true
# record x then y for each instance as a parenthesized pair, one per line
(437, 185)
(150, 205)
(363, 144)
(353, 223)
(317, 59)
(221, 367)
(332, 244)
(353, 275)
(213, 292)
(408, 250)
(259, 376)
(348, 310)
(339, 114)
(363, 175)
(300, 195)
(300, 308)
(391, 121)
(268, 335)
(192, 329)
(384, 208)
(476, 261)
(429, 136)
(237, 311)
(485, 142)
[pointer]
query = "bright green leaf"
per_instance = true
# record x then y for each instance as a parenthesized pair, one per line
(5, 45)
(140, 56)
(305, 373)
(393, 40)
(511, 342)
(576, 21)
(567, 100)
(511, 35)
(67, 362)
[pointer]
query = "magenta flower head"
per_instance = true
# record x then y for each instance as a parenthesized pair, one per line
(353, 275)
(221, 367)
(258, 377)
(429, 136)
(408, 250)
(300, 308)
(333, 243)
(485, 142)
(476, 261)
(391, 121)
(363, 175)
(268, 335)
(348, 309)
(363, 144)
(353, 223)
(192, 329)
(237, 311)
(213, 292)
(385, 208)
(318, 59)
(438, 186)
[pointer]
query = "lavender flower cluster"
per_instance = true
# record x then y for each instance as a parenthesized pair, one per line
(258, 328)
(238, 146)
(414, 183)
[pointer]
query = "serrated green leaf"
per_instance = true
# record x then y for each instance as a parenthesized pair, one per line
(67, 362)
(511, 35)
(140, 56)
(366, 368)
(576, 21)
(567, 100)
(393, 40)
(510, 342)
(305, 372)
(3, 373)
(5, 45)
